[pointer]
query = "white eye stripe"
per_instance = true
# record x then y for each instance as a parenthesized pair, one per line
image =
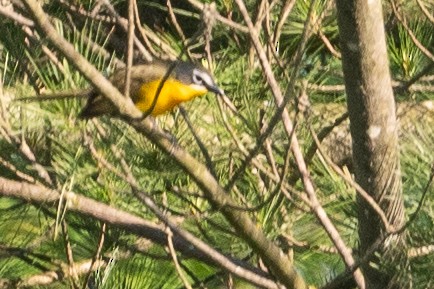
(202, 78)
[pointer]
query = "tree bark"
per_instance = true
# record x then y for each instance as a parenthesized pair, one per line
(373, 124)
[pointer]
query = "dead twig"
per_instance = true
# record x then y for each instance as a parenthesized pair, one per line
(130, 47)
(283, 114)
(94, 264)
(175, 259)
(413, 37)
(425, 11)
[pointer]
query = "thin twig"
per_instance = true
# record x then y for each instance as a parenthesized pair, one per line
(208, 19)
(18, 18)
(95, 47)
(81, 93)
(25, 150)
(127, 176)
(275, 178)
(50, 54)
(284, 13)
(199, 142)
(421, 251)
(413, 37)
(11, 167)
(124, 24)
(281, 101)
(142, 32)
(130, 47)
(175, 21)
(241, 221)
(49, 277)
(83, 13)
(374, 205)
(104, 86)
(134, 224)
(254, 278)
(421, 201)
(407, 84)
(283, 113)
(69, 255)
(94, 263)
(220, 18)
(324, 132)
(175, 259)
(425, 11)
(149, 36)
(328, 45)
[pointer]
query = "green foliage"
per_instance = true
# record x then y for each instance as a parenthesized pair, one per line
(406, 58)
(74, 152)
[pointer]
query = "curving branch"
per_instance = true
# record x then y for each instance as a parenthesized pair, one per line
(135, 225)
(48, 277)
(247, 228)
(282, 112)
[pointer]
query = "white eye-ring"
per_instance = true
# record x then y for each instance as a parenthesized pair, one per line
(202, 78)
(197, 77)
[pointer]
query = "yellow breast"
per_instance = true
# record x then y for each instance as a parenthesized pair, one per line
(172, 94)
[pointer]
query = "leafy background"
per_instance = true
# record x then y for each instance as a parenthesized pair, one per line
(31, 237)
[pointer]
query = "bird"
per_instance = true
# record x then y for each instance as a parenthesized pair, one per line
(181, 81)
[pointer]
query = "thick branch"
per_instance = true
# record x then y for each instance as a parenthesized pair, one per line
(253, 235)
(133, 224)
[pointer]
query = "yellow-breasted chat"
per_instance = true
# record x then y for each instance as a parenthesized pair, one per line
(156, 87)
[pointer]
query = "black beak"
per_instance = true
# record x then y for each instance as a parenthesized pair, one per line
(217, 90)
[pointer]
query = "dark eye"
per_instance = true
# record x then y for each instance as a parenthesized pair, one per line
(197, 79)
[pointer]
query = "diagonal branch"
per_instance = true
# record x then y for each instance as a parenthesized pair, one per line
(135, 225)
(247, 228)
(104, 86)
(282, 113)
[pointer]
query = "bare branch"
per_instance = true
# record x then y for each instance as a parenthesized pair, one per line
(425, 11)
(126, 221)
(240, 220)
(413, 37)
(130, 47)
(388, 227)
(175, 259)
(8, 12)
(48, 278)
(69, 255)
(91, 73)
(220, 18)
(94, 265)
(283, 113)
(286, 10)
